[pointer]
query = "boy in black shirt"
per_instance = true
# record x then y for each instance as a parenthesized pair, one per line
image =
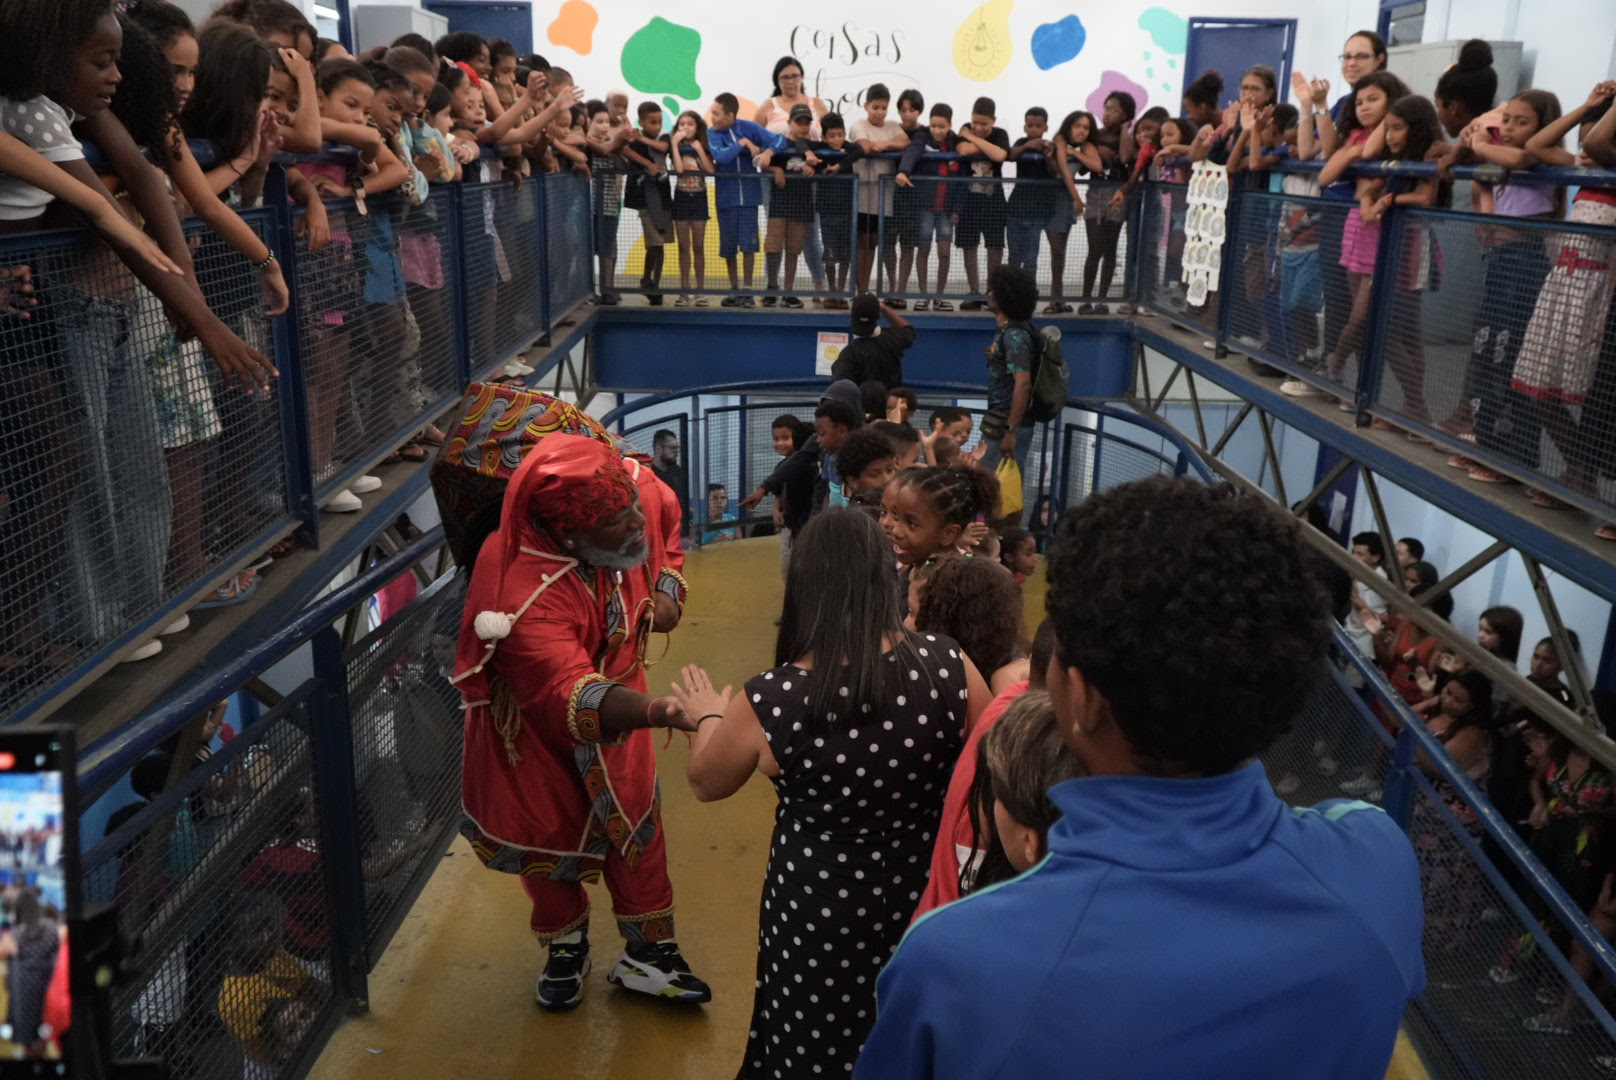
(647, 191)
(985, 147)
(1033, 202)
(791, 211)
(833, 198)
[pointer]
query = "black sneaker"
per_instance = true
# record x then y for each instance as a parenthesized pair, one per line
(748, 301)
(731, 301)
(791, 302)
(561, 987)
(972, 305)
(660, 971)
(770, 301)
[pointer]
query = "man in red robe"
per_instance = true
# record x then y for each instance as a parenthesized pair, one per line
(559, 781)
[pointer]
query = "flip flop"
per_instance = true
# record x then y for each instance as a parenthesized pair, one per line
(230, 594)
(1607, 531)
(1547, 501)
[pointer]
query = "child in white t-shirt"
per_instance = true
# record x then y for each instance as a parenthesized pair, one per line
(874, 136)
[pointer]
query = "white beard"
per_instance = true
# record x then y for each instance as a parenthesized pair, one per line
(633, 553)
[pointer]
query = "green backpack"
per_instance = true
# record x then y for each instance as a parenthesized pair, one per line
(1051, 378)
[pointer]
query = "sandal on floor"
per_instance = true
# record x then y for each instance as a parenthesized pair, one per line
(410, 452)
(1607, 531)
(230, 593)
(1385, 425)
(283, 549)
(1547, 501)
(1054, 307)
(1459, 461)
(430, 436)
(1485, 475)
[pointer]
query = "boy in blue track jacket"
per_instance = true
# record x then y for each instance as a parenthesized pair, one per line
(1186, 922)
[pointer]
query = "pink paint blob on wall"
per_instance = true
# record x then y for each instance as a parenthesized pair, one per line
(574, 27)
(1110, 83)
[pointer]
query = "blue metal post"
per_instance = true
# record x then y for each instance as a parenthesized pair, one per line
(292, 396)
(880, 237)
(541, 195)
(459, 294)
(1229, 267)
(337, 808)
(1382, 287)
(1399, 790)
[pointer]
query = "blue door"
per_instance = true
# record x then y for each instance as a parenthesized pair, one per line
(508, 19)
(1230, 46)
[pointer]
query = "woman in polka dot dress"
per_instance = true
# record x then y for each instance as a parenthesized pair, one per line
(860, 755)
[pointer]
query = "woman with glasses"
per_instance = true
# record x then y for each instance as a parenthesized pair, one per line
(790, 90)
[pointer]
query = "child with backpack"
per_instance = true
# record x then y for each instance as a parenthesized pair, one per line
(1027, 379)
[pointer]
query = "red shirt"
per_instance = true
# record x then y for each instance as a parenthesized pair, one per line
(954, 832)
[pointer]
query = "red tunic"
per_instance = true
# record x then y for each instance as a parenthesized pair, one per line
(546, 791)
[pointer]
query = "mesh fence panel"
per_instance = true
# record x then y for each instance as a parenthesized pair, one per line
(568, 241)
(1503, 333)
(964, 227)
(407, 742)
(119, 439)
(1491, 981)
(1290, 303)
(504, 285)
(1161, 257)
(424, 237)
(229, 895)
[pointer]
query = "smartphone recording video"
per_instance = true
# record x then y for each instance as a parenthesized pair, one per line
(37, 894)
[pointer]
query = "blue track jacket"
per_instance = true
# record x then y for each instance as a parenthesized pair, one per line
(1178, 929)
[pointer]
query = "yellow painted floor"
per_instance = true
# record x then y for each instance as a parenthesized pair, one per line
(453, 995)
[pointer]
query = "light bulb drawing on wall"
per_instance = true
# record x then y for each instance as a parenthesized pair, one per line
(982, 43)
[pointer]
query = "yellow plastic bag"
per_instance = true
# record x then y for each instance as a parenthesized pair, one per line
(1009, 474)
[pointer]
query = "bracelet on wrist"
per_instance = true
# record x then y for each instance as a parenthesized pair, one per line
(266, 262)
(709, 716)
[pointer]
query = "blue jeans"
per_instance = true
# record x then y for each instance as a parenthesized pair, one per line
(119, 521)
(1024, 234)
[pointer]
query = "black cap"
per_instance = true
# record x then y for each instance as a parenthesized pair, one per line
(801, 114)
(866, 314)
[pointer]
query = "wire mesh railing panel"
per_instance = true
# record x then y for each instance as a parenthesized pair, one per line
(1286, 304)
(503, 282)
(1500, 337)
(406, 747)
(942, 236)
(568, 242)
(227, 889)
(425, 243)
(737, 456)
(118, 438)
(1332, 750)
(675, 238)
(1162, 244)
(1499, 1001)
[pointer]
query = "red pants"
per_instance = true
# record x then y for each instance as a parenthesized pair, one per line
(642, 898)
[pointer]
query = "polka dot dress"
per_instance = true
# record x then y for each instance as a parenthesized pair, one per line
(860, 794)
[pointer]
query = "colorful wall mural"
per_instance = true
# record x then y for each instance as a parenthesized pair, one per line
(1061, 54)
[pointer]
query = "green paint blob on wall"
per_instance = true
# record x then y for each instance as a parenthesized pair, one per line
(1169, 31)
(660, 58)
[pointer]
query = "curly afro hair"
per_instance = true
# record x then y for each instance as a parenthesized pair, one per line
(862, 448)
(1195, 613)
(976, 602)
(1014, 292)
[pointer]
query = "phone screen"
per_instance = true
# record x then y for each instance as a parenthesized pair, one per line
(37, 894)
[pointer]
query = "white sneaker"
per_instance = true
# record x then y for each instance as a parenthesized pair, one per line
(516, 369)
(362, 485)
(181, 623)
(145, 652)
(1297, 388)
(660, 971)
(343, 502)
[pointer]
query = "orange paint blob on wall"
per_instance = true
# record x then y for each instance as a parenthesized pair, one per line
(574, 27)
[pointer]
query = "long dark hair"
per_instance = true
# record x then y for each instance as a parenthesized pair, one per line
(1424, 129)
(1480, 690)
(1507, 623)
(164, 21)
(231, 78)
(841, 603)
(1396, 89)
(994, 865)
(145, 102)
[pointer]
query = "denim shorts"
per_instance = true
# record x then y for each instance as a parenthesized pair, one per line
(737, 230)
(932, 226)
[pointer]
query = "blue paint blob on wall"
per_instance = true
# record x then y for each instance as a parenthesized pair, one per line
(1057, 42)
(1169, 31)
